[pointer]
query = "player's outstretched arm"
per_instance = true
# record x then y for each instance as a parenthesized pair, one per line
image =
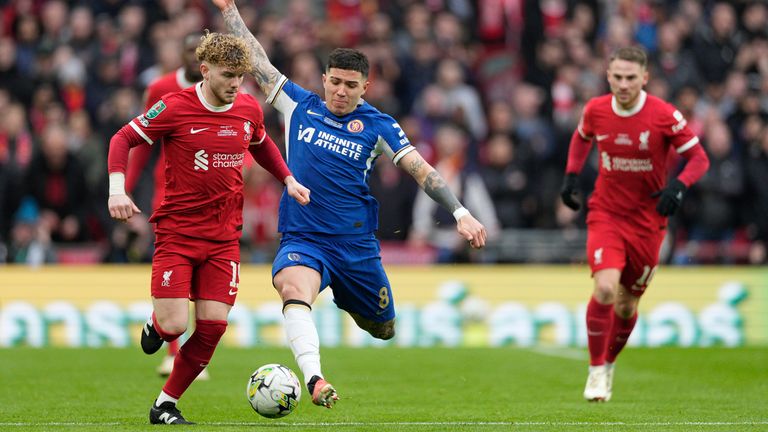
(266, 74)
(434, 185)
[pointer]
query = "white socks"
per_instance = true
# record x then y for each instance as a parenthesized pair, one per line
(164, 397)
(302, 337)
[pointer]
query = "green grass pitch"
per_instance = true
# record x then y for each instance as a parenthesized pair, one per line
(393, 389)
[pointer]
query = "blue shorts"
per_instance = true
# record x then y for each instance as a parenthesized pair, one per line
(350, 265)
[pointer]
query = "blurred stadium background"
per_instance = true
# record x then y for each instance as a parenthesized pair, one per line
(490, 88)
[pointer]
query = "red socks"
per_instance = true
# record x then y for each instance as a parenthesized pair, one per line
(173, 348)
(598, 328)
(194, 356)
(618, 336)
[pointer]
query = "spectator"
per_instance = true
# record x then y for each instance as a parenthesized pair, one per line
(715, 46)
(433, 225)
(56, 181)
(756, 173)
(719, 189)
(16, 149)
(507, 181)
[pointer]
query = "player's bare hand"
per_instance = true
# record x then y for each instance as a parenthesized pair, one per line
(121, 207)
(224, 4)
(472, 230)
(297, 190)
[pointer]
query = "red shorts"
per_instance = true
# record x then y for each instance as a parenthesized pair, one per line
(185, 267)
(613, 245)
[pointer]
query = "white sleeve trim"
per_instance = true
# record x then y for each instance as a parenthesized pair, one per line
(141, 132)
(693, 141)
(402, 153)
(581, 133)
(263, 137)
(276, 89)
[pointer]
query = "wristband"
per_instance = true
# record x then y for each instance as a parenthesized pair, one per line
(116, 183)
(460, 213)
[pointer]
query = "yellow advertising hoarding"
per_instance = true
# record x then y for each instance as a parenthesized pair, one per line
(439, 305)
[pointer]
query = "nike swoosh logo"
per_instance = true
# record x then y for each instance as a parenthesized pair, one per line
(232, 292)
(310, 112)
(194, 131)
(602, 137)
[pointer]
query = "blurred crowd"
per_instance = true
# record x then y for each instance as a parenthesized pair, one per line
(489, 91)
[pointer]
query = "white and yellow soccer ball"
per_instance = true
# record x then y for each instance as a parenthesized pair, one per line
(274, 391)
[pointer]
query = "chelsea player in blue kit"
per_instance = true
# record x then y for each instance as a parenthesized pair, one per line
(332, 144)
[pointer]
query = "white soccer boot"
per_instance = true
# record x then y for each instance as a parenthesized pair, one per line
(609, 367)
(203, 375)
(166, 366)
(596, 389)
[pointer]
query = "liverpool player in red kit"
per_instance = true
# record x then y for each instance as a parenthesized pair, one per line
(185, 76)
(205, 131)
(628, 210)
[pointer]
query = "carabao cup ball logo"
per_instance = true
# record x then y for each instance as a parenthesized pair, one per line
(355, 126)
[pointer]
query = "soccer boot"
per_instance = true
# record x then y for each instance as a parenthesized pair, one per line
(322, 392)
(166, 366)
(203, 375)
(596, 389)
(609, 367)
(166, 413)
(150, 339)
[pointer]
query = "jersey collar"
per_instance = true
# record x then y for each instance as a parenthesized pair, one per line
(632, 111)
(209, 107)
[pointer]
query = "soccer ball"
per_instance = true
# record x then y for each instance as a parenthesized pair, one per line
(273, 391)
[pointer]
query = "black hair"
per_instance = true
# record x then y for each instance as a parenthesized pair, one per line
(348, 59)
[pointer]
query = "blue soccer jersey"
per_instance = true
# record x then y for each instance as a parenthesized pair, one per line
(333, 157)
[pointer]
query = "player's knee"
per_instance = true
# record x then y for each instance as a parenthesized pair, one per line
(173, 325)
(605, 292)
(383, 331)
(290, 291)
(625, 310)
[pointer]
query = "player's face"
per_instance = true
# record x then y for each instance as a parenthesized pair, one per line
(220, 84)
(343, 89)
(626, 79)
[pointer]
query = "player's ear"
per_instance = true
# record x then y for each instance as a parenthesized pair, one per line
(365, 87)
(204, 70)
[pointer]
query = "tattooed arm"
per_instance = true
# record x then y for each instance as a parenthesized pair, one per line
(266, 74)
(435, 186)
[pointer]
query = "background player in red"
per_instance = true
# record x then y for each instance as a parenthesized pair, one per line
(185, 76)
(628, 210)
(206, 130)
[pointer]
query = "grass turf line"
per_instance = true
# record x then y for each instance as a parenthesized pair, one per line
(394, 389)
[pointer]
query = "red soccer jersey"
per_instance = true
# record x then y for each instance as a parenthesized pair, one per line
(204, 147)
(633, 146)
(168, 83)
